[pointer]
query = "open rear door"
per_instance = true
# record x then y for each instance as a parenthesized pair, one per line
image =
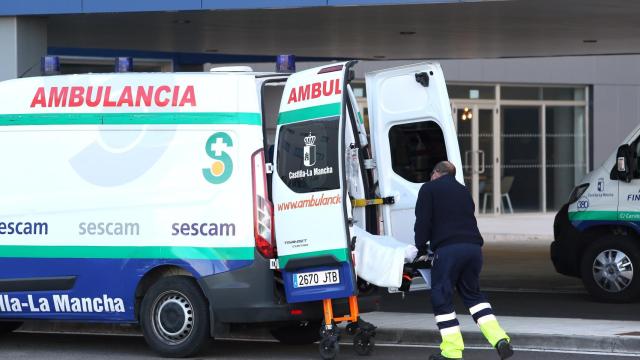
(411, 130)
(309, 192)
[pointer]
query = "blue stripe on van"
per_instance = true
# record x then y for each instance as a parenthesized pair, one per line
(96, 279)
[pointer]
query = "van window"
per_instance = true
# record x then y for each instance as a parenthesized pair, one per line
(308, 159)
(635, 147)
(415, 149)
(271, 96)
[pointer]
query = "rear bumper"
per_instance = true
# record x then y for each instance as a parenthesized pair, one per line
(251, 295)
(567, 245)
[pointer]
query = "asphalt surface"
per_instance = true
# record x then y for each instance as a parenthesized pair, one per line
(519, 280)
(82, 347)
(527, 304)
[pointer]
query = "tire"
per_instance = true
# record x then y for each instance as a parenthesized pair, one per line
(302, 333)
(329, 348)
(610, 269)
(363, 343)
(174, 317)
(9, 326)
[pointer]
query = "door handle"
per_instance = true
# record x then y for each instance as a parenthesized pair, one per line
(481, 162)
(466, 159)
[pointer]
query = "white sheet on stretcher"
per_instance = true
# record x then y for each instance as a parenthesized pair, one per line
(380, 259)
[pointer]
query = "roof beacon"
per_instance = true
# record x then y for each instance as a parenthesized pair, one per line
(286, 63)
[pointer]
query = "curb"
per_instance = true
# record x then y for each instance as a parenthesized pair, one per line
(604, 344)
(616, 344)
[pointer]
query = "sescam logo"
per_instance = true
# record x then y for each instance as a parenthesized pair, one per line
(222, 165)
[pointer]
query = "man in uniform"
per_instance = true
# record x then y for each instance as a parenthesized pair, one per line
(445, 218)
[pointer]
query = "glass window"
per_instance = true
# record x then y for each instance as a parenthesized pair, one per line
(359, 90)
(308, 158)
(563, 93)
(565, 152)
(415, 149)
(520, 93)
(635, 148)
(471, 92)
(521, 186)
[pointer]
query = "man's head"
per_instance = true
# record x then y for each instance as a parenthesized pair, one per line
(443, 168)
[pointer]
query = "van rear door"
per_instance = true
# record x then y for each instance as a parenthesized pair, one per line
(309, 189)
(411, 130)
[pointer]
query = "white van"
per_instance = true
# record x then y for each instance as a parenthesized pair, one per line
(150, 198)
(596, 233)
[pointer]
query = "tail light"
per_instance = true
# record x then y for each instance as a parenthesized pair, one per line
(262, 208)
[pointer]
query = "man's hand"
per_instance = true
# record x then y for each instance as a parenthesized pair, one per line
(422, 250)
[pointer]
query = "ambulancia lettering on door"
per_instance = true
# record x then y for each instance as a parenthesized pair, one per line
(130, 96)
(314, 91)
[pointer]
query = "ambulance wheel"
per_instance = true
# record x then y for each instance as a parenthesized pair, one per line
(610, 269)
(175, 317)
(329, 347)
(9, 326)
(301, 333)
(363, 343)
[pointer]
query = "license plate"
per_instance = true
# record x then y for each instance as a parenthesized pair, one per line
(316, 278)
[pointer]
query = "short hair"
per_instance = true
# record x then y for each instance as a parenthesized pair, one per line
(445, 168)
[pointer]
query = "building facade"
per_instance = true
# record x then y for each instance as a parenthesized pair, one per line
(529, 127)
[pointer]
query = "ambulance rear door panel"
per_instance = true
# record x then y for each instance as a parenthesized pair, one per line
(411, 130)
(309, 187)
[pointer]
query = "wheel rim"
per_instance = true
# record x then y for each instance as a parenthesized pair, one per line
(613, 270)
(173, 317)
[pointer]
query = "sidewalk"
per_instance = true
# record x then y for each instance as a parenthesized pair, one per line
(525, 332)
(537, 228)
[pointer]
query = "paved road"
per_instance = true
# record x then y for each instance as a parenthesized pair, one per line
(525, 284)
(82, 347)
(530, 304)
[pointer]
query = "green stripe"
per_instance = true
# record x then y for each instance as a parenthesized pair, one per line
(593, 215)
(309, 113)
(360, 117)
(341, 255)
(126, 252)
(175, 118)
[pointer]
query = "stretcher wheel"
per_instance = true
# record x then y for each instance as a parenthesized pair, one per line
(363, 343)
(352, 328)
(329, 347)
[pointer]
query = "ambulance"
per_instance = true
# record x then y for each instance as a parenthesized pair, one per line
(597, 231)
(192, 202)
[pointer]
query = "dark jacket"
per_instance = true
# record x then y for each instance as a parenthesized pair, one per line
(445, 215)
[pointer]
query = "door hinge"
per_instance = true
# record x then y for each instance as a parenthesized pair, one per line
(369, 164)
(268, 168)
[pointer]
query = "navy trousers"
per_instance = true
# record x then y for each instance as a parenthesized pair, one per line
(456, 266)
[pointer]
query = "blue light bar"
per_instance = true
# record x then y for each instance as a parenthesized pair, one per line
(50, 65)
(124, 64)
(286, 63)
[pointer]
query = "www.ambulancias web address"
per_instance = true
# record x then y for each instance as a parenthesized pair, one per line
(310, 202)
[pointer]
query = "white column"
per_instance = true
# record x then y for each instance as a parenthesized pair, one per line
(23, 41)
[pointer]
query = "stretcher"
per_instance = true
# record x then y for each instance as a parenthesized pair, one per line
(363, 332)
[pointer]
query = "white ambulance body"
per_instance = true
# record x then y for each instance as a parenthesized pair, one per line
(152, 198)
(597, 231)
